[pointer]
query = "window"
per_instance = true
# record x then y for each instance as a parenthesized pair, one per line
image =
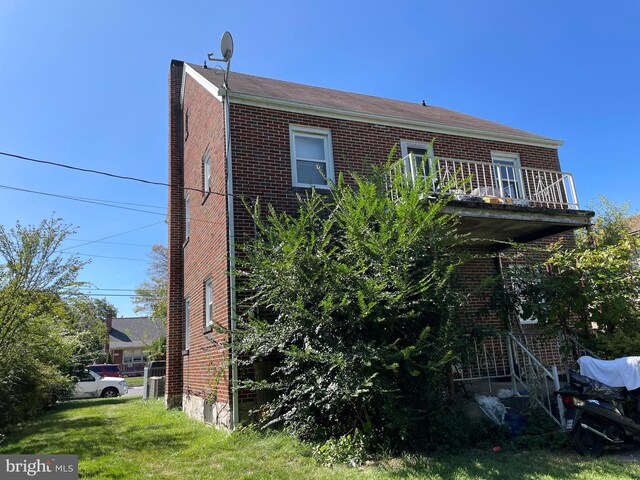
(186, 324)
(508, 175)
(208, 303)
(187, 216)
(186, 125)
(311, 157)
(137, 356)
(419, 149)
(418, 165)
(206, 172)
(85, 376)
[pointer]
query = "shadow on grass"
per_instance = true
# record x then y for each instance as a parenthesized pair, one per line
(524, 465)
(73, 428)
(91, 402)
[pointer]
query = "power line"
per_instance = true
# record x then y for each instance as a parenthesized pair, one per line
(104, 256)
(84, 200)
(112, 236)
(106, 174)
(109, 289)
(118, 295)
(113, 243)
(101, 202)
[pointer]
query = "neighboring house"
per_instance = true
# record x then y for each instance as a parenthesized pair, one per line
(269, 141)
(634, 224)
(130, 339)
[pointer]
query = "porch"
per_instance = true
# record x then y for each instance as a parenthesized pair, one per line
(498, 201)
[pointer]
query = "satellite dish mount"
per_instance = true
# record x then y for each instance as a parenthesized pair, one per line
(226, 47)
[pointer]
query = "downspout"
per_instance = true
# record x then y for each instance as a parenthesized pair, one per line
(235, 412)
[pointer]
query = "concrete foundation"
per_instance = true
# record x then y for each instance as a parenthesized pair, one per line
(198, 408)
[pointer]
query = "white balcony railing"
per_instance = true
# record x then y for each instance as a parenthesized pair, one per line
(493, 183)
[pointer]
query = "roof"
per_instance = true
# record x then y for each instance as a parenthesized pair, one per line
(135, 332)
(250, 86)
(634, 224)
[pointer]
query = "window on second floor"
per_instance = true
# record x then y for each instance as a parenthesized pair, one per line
(311, 157)
(187, 216)
(508, 175)
(186, 324)
(186, 125)
(206, 172)
(208, 302)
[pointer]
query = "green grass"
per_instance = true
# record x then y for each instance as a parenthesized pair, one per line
(127, 438)
(134, 381)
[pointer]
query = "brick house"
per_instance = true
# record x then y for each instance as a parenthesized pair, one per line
(129, 340)
(279, 134)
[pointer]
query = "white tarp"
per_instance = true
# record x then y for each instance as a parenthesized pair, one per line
(621, 372)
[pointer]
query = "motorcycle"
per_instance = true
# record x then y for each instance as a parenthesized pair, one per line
(597, 415)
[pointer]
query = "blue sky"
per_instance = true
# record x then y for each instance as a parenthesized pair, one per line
(85, 83)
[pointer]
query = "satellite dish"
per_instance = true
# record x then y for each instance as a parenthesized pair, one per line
(226, 46)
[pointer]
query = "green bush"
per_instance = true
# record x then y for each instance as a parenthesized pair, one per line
(355, 295)
(27, 387)
(349, 449)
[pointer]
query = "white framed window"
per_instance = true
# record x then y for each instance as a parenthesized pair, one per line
(508, 174)
(206, 172)
(186, 324)
(311, 156)
(187, 216)
(208, 302)
(419, 149)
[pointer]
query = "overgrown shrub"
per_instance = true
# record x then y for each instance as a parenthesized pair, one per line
(27, 387)
(355, 296)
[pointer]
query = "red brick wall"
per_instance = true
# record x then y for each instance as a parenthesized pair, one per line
(175, 325)
(205, 368)
(262, 158)
(262, 167)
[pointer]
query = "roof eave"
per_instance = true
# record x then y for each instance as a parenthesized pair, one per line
(332, 112)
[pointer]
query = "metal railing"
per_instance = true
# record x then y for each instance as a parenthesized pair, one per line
(519, 360)
(498, 182)
(533, 376)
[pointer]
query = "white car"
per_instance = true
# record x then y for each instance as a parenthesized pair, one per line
(91, 384)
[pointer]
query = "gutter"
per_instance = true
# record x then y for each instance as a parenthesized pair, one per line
(235, 412)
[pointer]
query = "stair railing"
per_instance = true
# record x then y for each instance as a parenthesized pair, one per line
(528, 372)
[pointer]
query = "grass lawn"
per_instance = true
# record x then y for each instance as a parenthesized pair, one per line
(127, 438)
(135, 381)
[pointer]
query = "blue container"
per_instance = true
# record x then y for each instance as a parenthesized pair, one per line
(516, 423)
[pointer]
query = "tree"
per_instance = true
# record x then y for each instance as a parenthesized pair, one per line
(34, 277)
(355, 297)
(151, 294)
(35, 283)
(591, 290)
(86, 328)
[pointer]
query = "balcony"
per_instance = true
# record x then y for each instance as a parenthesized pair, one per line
(500, 201)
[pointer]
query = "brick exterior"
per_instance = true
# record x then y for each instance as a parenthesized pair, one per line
(262, 167)
(205, 367)
(175, 319)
